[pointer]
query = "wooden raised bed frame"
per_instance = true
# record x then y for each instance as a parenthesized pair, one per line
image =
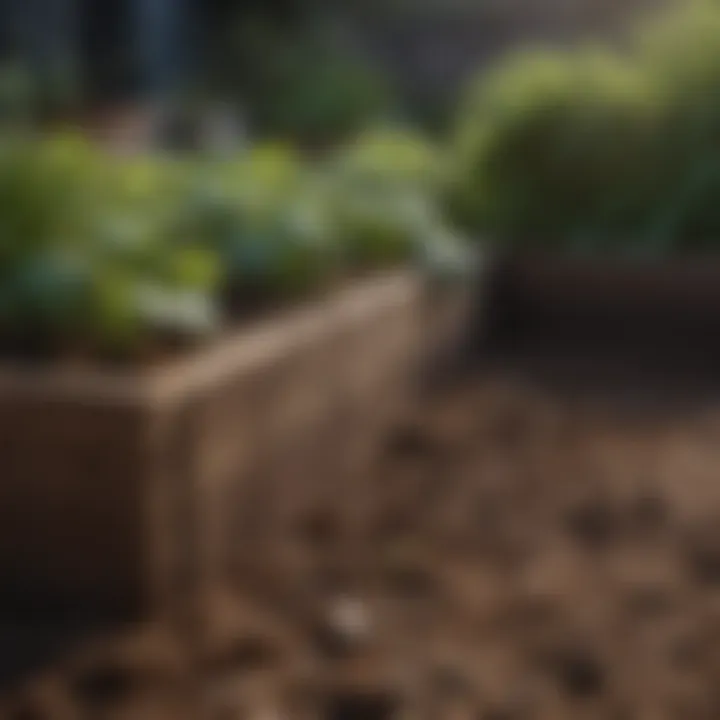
(600, 303)
(122, 492)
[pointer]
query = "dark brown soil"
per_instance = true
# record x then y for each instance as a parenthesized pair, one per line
(540, 543)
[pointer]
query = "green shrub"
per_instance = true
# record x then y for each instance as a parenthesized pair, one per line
(553, 147)
(681, 54)
(587, 149)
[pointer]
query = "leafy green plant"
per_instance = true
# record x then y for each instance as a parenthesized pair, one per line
(384, 189)
(390, 155)
(113, 256)
(87, 257)
(264, 214)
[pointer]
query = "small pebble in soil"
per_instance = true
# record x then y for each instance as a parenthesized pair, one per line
(343, 628)
(351, 618)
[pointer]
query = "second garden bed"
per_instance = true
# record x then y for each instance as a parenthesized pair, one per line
(672, 303)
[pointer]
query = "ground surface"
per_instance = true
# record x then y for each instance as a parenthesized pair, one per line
(543, 542)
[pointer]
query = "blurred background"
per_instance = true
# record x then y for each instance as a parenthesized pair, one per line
(284, 68)
(535, 537)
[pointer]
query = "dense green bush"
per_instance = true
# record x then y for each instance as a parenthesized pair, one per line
(591, 149)
(552, 146)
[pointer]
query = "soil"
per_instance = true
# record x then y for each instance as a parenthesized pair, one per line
(542, 542)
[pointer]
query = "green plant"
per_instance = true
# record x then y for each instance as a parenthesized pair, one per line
(303, 85)
(593, 150)
(388, 156)
(680, 53)
(385, 189)
(264, 214)
(88, 259)
(114, 255)
(552, 147)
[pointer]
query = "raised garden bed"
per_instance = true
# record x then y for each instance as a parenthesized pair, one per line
(531, 547)
(608, 302)
(122, 491)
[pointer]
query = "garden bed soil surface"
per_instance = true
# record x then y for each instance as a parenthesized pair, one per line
(541, 542)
